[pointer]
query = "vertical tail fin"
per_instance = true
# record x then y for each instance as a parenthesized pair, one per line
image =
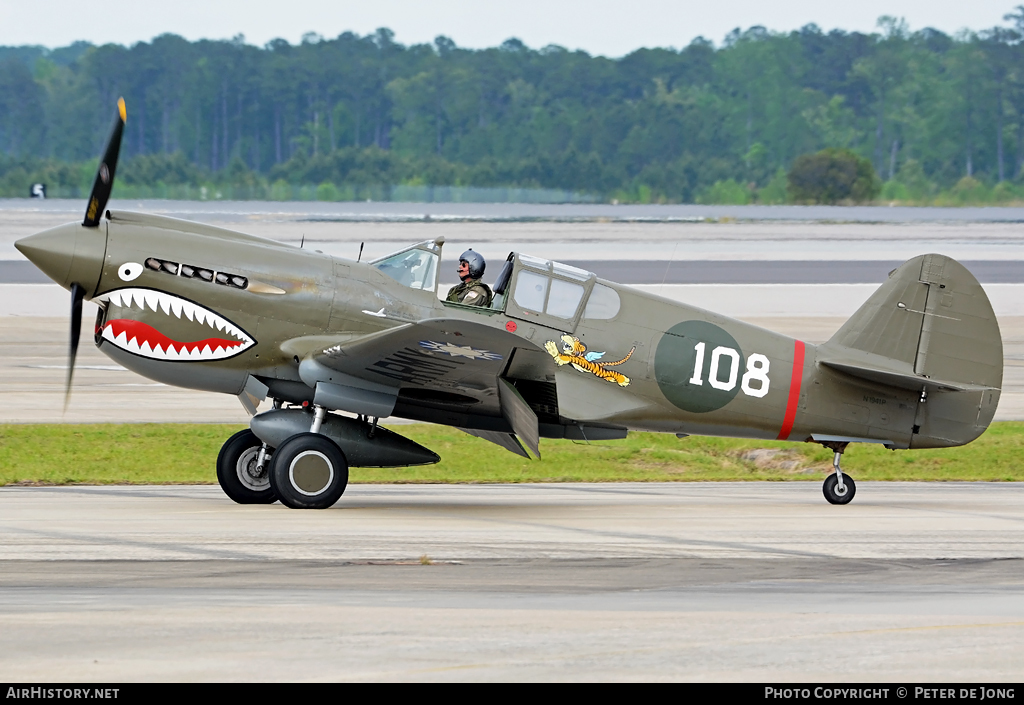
(930, 327)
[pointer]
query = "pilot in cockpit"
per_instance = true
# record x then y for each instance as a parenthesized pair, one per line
(472, 291)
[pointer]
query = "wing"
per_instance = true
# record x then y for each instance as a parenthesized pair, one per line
(446, 371)
(591, 356)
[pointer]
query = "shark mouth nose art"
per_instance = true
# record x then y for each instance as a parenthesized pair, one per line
(141, 338)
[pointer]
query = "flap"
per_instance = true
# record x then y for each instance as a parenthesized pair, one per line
(508, 441)
(519, 416)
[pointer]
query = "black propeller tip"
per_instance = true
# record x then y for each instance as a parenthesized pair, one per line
(104, 183)
(77, 294)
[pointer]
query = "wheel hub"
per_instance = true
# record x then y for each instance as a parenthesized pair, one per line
(249, 473)
(253, 468)
(311, 473)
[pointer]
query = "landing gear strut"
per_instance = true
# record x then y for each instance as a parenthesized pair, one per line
(838, 488)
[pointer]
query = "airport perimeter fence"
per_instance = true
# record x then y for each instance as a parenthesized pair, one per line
(281, 191)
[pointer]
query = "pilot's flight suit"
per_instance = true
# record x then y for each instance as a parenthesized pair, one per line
(472, 292)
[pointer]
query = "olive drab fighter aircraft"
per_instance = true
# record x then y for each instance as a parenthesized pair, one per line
(559, 353)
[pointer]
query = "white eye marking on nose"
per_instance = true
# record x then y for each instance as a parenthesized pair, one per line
(129, 271)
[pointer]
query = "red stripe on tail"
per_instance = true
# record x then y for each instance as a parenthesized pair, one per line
(794, 391)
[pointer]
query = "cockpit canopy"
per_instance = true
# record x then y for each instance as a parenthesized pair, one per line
(543, 286)
(552, 293)
(560, 291)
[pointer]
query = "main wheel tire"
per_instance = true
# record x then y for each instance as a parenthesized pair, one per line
(309, 471)
(236, 470)
(831, 489)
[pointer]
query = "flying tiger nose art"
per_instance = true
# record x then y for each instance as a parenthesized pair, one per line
(163, 326)
(574, 353)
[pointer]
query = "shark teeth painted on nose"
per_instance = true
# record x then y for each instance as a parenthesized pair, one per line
(143, 339)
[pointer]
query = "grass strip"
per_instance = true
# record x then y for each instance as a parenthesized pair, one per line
(61, 454)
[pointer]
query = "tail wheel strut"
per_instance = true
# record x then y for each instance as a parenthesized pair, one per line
(838, 488)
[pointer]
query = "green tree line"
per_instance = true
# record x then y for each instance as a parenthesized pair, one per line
(936, 116)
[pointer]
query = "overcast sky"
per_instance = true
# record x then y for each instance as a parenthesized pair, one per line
(609, 27)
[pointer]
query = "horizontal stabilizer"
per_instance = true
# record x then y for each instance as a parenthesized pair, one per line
(902, 380)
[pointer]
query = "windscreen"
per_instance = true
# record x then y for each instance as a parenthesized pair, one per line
(415, 269)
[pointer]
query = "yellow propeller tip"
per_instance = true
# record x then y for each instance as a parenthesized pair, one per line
(121, 109)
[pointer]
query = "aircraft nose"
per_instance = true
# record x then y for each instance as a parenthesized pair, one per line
(67, 254)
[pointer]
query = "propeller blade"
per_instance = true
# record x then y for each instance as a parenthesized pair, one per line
(105, 175)
(77, 294)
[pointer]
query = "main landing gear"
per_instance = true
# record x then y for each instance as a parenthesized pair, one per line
(243, 469)
(838, 488)
(307, 471)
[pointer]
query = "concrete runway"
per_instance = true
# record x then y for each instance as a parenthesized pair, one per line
(410, 211)
(710, 581)
(835, 238)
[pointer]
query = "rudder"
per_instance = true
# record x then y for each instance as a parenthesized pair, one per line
(929, 327)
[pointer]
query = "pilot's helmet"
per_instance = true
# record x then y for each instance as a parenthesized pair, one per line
(476, 263)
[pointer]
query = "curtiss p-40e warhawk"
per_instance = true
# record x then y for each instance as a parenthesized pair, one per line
(558, 353)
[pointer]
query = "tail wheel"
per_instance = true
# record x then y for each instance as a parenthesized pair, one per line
(836, 495)
(237, 470)
(309, 471)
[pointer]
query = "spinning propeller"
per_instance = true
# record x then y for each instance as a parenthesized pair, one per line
(101, 189)
(77, 294)
(105, 174)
